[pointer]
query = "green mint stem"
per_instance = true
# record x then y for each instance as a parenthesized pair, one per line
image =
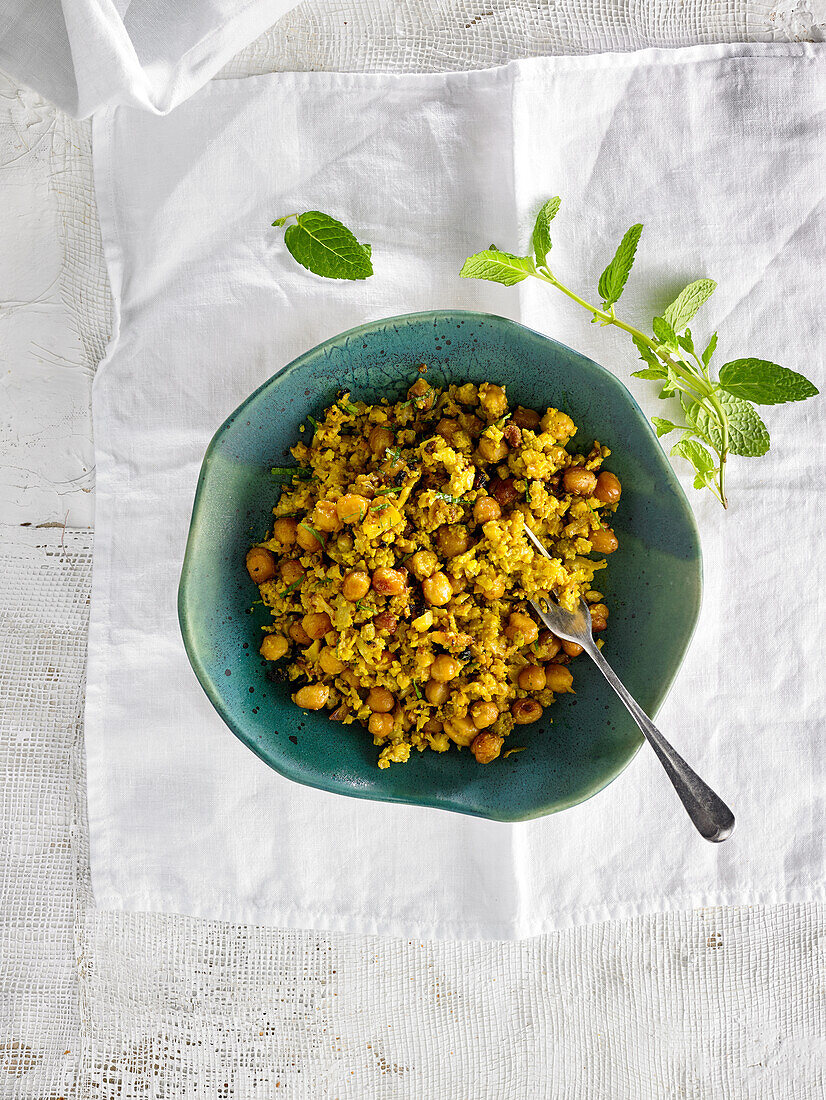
(696, 386)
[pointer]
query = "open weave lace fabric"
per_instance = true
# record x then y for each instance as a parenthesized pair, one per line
(723, 1003)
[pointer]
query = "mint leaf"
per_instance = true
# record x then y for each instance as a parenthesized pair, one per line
(700, 459)
(648, 356)
(284, 220)
(686, 342)
(326, 247)
(498, 267)
(748, 435)
(613, 279)
(649, 372)
(663, 426)
(664, 332)
(763, 382)
(707, 354)
(687, 302)
(542, 229)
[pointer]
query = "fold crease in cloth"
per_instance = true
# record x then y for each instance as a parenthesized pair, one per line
(87, 54)
(718, 151)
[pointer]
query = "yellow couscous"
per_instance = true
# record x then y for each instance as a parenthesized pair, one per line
(397, 569)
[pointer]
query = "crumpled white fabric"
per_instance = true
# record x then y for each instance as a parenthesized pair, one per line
(84, 54)
(719, 151)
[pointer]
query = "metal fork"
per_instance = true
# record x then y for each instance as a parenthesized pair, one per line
(710, 815)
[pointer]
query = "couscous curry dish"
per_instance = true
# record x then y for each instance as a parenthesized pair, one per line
(397, 570)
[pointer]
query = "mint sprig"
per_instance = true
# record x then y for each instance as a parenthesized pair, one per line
(720, 417)
(325, 246)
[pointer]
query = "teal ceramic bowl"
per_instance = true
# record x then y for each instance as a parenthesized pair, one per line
(652, 587)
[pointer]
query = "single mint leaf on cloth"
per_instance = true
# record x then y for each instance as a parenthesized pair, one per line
(663, 426)
(326, 247)
(613, 279)
(764, 383)
(687, 302)
(664, 332)
(542, 229)
(498, 267)
(748, 435)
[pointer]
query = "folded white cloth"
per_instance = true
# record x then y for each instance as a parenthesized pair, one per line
(718, 150)
(83, 54)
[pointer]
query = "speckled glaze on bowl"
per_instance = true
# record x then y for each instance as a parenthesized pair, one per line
(653, 585)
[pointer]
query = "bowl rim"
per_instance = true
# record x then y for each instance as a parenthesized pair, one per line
(205, 679)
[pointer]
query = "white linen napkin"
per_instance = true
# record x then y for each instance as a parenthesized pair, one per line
(719, 151)
(84, 54)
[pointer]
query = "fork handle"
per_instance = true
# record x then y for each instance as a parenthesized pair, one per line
(710, 815)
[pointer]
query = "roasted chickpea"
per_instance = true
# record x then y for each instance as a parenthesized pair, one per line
(355, 585)
(437, 590)
(486, 747)
(447, 429)
(547, 645)
(493, 401)
(525, 418)
(380, 700)
(483, 713)
(329, 661)
(380, 725)
(608, 488)
(308, 541)
(532, 678)
(389, 582)
(558, 678)
(299, 634)
(423, 395)
(291, 571)
(578, 480)
(284, 530)
(325, 516)
(444, 668)
(521, 627)
(344, 543)
(387, 622)
(379, 440)
(312, 696)
(260, 564)
(316, 623)
(558, 424)
(351, 508)
(572, 649)
(467, 394)
(485, 509)
(460, 730)
(452, 539)
(494, 588)
(525, 711)
(603, 540)
(492, 450)
(599, 617)
(273, 647)
(424, 563)
(457, 584)
(436, 692)
(504, 491)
